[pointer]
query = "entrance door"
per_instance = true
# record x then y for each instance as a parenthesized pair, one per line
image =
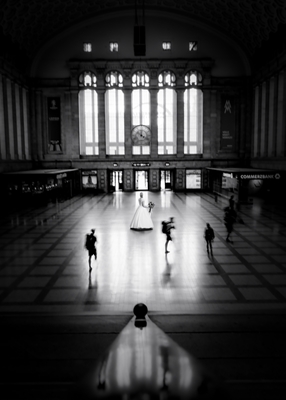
(115, 181)
(166, 180)
(141, 180)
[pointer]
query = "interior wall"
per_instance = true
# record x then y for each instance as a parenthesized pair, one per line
(51, 61)
(269, 122)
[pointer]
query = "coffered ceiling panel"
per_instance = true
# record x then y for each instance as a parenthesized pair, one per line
(30, 23)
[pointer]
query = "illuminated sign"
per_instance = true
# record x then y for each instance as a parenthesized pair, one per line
(60, 176)
(260, 176)
(141, 164)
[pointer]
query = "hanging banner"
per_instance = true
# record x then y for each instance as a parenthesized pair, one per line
(227, 138)
(54, 124)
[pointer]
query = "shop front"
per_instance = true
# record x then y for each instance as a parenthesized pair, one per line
(39, 187)
(246, 184)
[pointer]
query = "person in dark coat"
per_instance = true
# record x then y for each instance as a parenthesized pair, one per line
(209, 237)
(90, 246)
(231, 202)
(229, 220)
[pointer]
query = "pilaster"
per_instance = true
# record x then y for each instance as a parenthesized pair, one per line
(127, 122)
(180, 122)
(101, 124)
(154, 125)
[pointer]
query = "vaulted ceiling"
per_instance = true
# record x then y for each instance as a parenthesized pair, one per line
(255, 25)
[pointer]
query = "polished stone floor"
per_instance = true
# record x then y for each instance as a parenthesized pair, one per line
(44, 265)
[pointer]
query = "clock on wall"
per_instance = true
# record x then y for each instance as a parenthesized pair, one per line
(141, 135)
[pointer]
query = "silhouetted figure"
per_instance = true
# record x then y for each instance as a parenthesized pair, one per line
(209, 237)
(231, 202)
(90, 246)
(229, 220)
(167, 226)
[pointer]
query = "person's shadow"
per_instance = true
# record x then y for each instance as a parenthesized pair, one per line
(91, 292)
(167, 273)
(92, 280)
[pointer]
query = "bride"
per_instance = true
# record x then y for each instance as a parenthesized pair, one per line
(142, 218)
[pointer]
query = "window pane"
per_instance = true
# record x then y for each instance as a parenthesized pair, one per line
(114, 121)
(193, 150)
(135, 107)
(160, 149)
(193, 121)
(145, 107)
(120, 149)
(169, 150)
(136, 150)
(167, 121)
(88, 120)
(145, 149)
(140, 107)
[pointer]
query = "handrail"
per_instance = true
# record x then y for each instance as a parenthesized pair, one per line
(144, 363)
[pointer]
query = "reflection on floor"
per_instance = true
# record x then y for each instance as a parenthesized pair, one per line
(44, 266)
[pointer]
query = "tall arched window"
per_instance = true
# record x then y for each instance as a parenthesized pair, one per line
(193, 114)
(167, 113)
(88, 114)
(140, 114)
(114, 114)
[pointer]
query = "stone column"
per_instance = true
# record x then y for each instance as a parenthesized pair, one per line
(281, 115)
(127, 122)
(4, 136)
(128, 180)
(154, 124)
(258, 153)
(209, 113)
(268, 116)
(101, 123)
(70, 132)
(274, 130)
(40, 138)
(180, 122)
(154, 177)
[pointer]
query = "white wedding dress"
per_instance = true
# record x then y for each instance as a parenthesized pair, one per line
(142, 218)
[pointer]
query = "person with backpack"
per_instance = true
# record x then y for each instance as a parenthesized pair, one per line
(90, 247)
(167, 226)
(209, 237)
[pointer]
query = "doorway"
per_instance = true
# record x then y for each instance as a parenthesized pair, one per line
(166, 179)
(115, 181)
(141, 180)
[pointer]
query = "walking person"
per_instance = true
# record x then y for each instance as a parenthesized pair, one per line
(209, 237)
(167, 226)
(229, 220)
(90, 246)
(231, 202)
